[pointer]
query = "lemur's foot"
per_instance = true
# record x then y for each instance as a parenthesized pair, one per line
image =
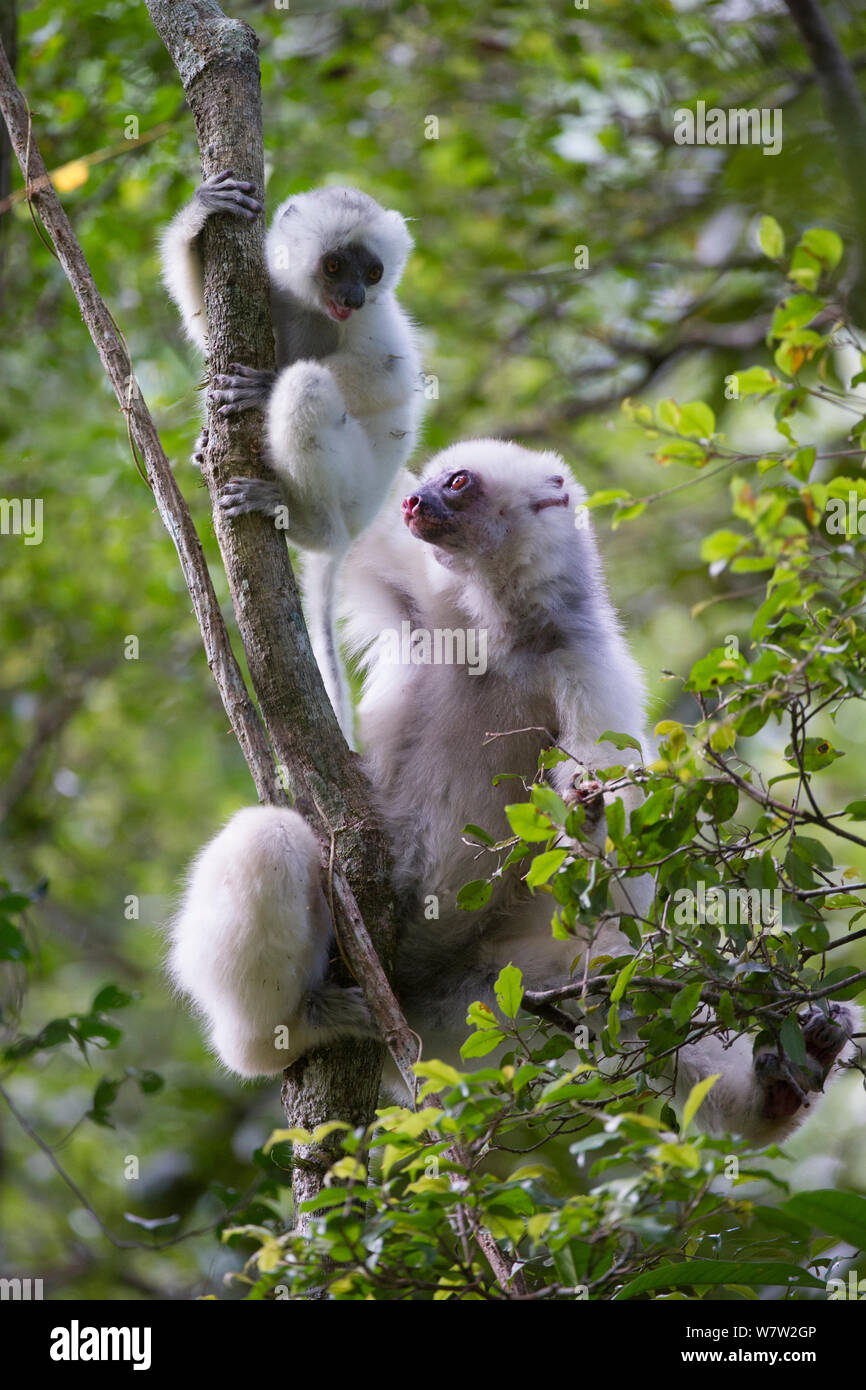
(589, 795)
(196, 458)
(241, 388)
(826, 1033)
(786, 1087)
(224, 193)
(242, 495)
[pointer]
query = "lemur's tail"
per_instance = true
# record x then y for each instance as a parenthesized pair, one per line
(320, 575)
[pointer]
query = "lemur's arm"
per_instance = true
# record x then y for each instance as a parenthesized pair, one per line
(181, 255)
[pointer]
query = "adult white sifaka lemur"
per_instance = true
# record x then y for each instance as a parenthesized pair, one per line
(489, 544)
(343, 409)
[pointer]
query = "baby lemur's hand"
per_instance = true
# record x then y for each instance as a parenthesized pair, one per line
(224, 193)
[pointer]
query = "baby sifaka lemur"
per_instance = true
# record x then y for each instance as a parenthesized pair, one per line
(343, 409)
(489, 546)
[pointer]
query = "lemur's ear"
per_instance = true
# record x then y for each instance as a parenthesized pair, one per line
(540, 503)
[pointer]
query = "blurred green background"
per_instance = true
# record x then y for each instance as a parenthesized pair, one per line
(555, 131)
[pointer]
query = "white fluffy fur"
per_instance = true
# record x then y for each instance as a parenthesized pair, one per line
(557, 662)
(344, 413)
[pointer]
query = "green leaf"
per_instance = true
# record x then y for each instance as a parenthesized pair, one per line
(805, 269)
(149, 1082)
(695, 1098)
(721, 545)
(791, 1037)
(838, 1214)
(615, 816)
(110, 997)
(619, 741)
(480, 1043)
(547, 801)
(626, 514)
(622, 980)
(668, 414)
(544, 866)
(698, 419)
(12, 943)
(474, 895)
(755, 381)
(801, 464)
(815, 753)
(481, 1015)
(825, 245)
(15, 902)
(606, 496)
(509, 990)
(771, 238)
(475, 832)
(717, 1273)
(685, 1002)
(528, 822)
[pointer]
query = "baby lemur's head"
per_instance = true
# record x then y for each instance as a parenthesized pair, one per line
(336, 249)
(494, 504)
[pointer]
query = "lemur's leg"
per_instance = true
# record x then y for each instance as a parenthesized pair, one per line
(322, 460)
(765, 1097)
(251, 943)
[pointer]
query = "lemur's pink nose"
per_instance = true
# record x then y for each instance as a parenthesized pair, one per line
(411, 504)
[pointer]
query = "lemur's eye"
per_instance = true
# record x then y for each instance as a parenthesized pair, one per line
(457, 482)
(332, 265)
(374, 275)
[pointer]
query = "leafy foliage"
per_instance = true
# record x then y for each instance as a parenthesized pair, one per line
(554, 133)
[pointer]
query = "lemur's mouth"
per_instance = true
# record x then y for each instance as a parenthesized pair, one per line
(339, 312)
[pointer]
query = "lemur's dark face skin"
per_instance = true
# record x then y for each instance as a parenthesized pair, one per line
(345, 275)
(447, 511)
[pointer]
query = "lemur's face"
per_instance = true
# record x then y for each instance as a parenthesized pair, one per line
(467, 510)
(454, 511)
(344, 277)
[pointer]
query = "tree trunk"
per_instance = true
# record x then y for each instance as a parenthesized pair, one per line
(217, 61)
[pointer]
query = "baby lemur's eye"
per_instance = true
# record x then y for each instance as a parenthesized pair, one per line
(331, 265)
(374, 275)
(458, 481)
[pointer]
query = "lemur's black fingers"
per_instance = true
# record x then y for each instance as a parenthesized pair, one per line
(237, 202)
(234, 408)
(228, 175)
(255, 373)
